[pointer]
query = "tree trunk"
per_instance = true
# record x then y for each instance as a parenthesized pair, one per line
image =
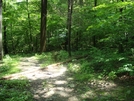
(12, 40)
(5, 40)
(43, 25)
(1, 49)
(69, 21)
(120, 45)
(94, 37)
(29, 29)
(4, 33)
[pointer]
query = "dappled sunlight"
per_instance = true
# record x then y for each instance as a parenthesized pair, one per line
(59, 90)
(56, 83)
(59, 82)
(33, 72)
(102, 84)
(45, 82)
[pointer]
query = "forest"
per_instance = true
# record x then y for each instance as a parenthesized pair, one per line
(66, 50)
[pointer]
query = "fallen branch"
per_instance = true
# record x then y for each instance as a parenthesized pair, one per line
(66, 61)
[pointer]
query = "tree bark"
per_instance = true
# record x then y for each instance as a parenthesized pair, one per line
(1, 49)
(5, 40)
(120, 45)
(5, 33)
(43, 25)
(94, 37)
(69, 22)
(29, 28)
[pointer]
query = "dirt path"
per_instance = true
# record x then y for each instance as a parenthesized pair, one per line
(49, 84)
(55, 83)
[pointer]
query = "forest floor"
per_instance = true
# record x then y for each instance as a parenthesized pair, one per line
(56, 83)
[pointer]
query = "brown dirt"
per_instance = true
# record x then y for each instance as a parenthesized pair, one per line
(55, 83)
(48, 84)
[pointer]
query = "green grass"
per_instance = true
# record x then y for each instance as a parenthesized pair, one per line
(98, 65)
(49, 58)
(13, 90)
(9, 65)
(45, 59)
(103, 65)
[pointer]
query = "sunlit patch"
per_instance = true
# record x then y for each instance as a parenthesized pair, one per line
(70, 78)
(59, 82)
(19, 0)
(69, 90)
(49, 93)
(59, 88)
(57, 72)
(62, 93)
(88, 94)
(73, 98)
(102, 84)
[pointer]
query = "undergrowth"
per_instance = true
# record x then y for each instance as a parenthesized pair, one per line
(12, 90)
(104, 64)
(98, 64)
(9, 65)
(49, 58)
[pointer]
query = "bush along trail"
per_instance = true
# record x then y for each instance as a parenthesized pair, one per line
(37, 79)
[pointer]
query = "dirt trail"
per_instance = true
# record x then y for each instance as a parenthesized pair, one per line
(49, 84)
(55, 83)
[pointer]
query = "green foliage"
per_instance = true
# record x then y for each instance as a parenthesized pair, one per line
(45, 59)
(62, 55)
(127, 68)
(103, 62)
(83, 77)
(14, 90)
(9, 66)
(73, 67)
(22, 22)
(110, 22)
(112, 75)
(86, 67)
(49, 58)
(127, 93)
(21, 26)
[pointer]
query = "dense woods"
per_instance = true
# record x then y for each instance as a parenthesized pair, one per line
(34, 26)
(101, 24)
(86, 26)
(95, 35)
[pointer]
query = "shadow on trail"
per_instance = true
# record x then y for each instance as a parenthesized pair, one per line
(56, 83)
(56, 86)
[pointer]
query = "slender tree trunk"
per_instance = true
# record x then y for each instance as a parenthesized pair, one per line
(78, 33)
(77, 40)
(4, 33)
(29, 28)
(69, 21)
(43, 25)
(1, 49)
(120, 44)
(36, 43)
(12, 40)
(5, 40)
(94, 37)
